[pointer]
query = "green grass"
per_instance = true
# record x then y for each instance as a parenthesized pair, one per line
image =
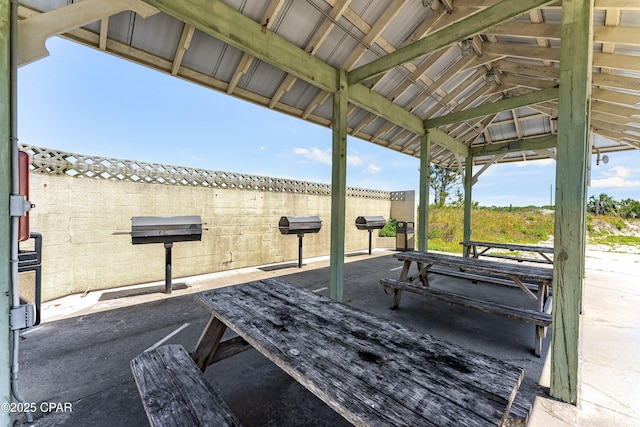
(615, 240)
(523, 225)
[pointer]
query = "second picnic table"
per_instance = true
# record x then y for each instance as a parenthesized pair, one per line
(524, 276)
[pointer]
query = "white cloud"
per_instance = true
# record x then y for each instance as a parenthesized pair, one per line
(317, 155)
(262, 148)
(314, 154)
(354, 161)
(373, 168)
(617, 177)
(324, 156)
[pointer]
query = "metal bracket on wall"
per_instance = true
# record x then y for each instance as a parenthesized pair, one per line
(19, 205)
(22, 317)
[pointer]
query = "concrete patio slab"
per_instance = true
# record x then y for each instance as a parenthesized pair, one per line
(80, 354)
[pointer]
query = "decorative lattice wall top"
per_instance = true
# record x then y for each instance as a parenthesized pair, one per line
(55, 162)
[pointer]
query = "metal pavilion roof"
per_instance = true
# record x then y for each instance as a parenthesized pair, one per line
(494, 90)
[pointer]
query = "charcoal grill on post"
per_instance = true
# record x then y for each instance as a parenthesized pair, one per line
(370, 223)
(166, 230)
(299, 225)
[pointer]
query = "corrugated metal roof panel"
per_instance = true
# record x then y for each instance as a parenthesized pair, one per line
(154, 42)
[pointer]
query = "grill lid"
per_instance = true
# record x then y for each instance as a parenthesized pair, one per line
(299, 224)
(165, 229)
(370, 222)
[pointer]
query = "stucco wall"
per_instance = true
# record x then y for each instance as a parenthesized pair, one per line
(85, 221)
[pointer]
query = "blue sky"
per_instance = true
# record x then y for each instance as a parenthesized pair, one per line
(88, 102)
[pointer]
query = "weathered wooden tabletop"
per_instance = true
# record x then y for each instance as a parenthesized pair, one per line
(371, 371)
(471, 248)
(523, 272)
(510, 246)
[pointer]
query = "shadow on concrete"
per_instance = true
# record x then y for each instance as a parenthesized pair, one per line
(140, 291)
(280, 266)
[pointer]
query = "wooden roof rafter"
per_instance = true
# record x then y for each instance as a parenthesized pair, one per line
(518, 40)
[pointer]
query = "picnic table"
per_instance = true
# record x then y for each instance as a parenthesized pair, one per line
(523, 276)
(371, 371)
(476, 249)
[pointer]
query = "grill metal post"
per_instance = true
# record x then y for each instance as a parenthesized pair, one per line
(300, 236)
(299, 225)
(166, 230)
(167, 272)
(370, 223)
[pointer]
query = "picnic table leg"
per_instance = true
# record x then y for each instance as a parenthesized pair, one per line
(208, 343)
(477, 254)
(541, 331)
(423, 274)
(405, 271)
(397, 294)
(466, 250)
(543, 295)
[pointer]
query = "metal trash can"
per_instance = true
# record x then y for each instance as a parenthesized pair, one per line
(405, 236)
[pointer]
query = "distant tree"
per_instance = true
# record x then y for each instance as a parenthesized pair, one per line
(629, 209)
(443, 181)
(602, 205)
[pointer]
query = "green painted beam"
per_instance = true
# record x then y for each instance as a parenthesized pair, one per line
(368, 100)
(423, 209)
(494, 108)
(476, 23)
(442, 139)
(5, 218)
(517, 146)
(573, 157)
(468, 186)
(215, 18)
(338, 189)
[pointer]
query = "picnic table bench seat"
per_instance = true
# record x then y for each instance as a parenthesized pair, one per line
(522, 314)
(174, 391)
(476, 277)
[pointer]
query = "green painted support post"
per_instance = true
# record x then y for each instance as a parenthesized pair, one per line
(468, 183)
(5, 218)
(571, 176)
(338, 188)
(423, 212)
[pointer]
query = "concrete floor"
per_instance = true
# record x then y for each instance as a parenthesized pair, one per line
(80, 355)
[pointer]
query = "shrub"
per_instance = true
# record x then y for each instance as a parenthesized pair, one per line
(389, 229)
(629, 208)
